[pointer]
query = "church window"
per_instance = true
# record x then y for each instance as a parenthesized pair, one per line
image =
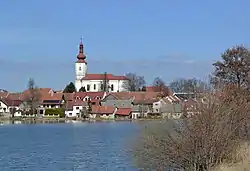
(88, 87)
(112, 87)
(94, 86)
(80, 68)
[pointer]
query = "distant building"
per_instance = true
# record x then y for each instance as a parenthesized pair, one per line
(96, 82)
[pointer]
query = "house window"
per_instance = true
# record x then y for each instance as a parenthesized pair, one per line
(80, 68)
(88, 87)
(112, 87)
(77, 108)
(94, 86)
(102, 86)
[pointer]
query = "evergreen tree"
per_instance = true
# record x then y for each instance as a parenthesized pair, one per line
(70, 88)
(82, 89)
(143, 88)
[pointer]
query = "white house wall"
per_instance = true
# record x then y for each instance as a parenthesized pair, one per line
(73, 113)
(117, 85)
(2, 107)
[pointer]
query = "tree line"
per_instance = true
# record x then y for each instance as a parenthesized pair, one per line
(138, 83)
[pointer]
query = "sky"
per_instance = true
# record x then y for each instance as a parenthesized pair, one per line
(169, 39)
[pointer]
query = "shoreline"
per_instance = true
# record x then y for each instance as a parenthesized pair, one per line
(65, 120)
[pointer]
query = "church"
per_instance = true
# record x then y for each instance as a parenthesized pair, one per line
(96, 82)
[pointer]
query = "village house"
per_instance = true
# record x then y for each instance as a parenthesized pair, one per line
(96, 82)
(109, 112)
(45, 98)
(10, 108)
(158, 105)
(76, 109)
(4, 108)
(93, 97)
(80, 101)
(140, 103)
(102, 112)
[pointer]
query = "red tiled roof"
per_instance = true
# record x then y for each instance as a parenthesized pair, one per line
(159, 89)
(148, 97)
(81, 61)
(3, 94)
(80, 103)
(103, 109)
(123, 111)
(44, 94)
(91, 95)
(15, 96)
(69, 105)
(10, 102)
(68, 96)
(150, 89)
(102, 77)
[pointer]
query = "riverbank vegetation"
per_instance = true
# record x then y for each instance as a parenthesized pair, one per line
(214, 135)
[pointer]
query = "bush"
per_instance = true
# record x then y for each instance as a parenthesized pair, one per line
(56, 111)
(199, 143)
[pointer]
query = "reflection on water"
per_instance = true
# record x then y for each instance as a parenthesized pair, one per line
(31, 121)
(53, 121)
(75, 146)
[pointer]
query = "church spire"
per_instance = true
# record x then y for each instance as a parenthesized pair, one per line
(81, 56)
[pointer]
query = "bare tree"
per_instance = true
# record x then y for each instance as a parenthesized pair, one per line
(135, 82)
(32, 97)
(160, 86)
(234, 67)
(198, 143)
(189, 86)
(105, 84)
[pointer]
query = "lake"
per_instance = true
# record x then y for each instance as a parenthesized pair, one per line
(66, 146)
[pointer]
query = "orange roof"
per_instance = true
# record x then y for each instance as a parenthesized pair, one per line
(44, 94)
(102, 77)
(123, 111)
(103, 109)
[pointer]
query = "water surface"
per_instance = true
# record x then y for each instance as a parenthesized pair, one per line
(66, 147)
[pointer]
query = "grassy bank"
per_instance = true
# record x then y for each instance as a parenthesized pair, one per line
(242, 161)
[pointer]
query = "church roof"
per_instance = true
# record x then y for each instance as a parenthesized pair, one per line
(81, 57)
(102, 77)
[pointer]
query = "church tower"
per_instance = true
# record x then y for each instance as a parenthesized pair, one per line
(80, 67)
